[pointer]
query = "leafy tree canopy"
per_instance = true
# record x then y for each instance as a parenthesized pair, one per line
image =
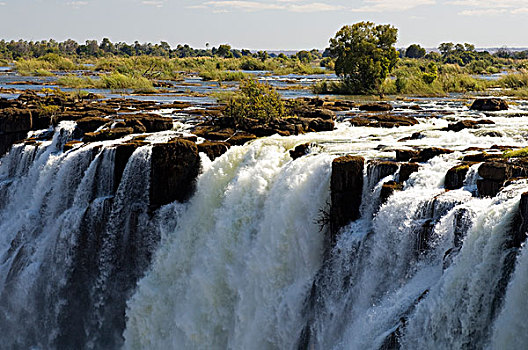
(415, 51)
(365, 55)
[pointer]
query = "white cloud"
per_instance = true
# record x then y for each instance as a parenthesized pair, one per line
(77, 4)
(2, 3)
(483, 12)
(491, 7)
(243, 5)
(391, 5)
(306, 6)
(314, 7)
(520, 10)
(155, 3)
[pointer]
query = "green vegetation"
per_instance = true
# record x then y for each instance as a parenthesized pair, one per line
(362, 55)
(45, 63)
(114, 81)
(518, 153)
(415, 51)
(514, 81)
(219, 75)
(255, 101)
(365, 55)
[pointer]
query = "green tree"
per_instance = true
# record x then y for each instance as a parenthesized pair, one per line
(304, 56)
(365, 55)
(415, 51)
(446, 48)
(224, 50)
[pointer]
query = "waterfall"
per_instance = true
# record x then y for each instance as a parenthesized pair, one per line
(71, 245)
(87, 262)
(511, 329)
(236, 269)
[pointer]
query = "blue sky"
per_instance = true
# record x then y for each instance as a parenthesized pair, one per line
(265, 24)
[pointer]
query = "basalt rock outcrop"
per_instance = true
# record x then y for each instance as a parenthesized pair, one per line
(489, 104)
(346, 187)
(468, 124)
(213, 149)
(376, 107)
(382, 120)
(300, 150)
(174, 168)
(303, 119)
(455, 176)
(31, 111)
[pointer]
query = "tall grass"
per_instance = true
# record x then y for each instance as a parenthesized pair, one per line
(514, 81)
(219, 75)
(113, 81)
(45, 63)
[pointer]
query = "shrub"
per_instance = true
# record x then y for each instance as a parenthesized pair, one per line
(257, 101)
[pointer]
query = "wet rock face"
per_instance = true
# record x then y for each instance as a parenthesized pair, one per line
(15, 120)
(406, 169)
(377, 169)
(455, 176)
(495, 171)
(107, 134)
(519, 235)
(174, 168)
(151, 122)
(300, 150)
(376, 107)
(346, 187)
(489, 104)
(315, 113)
(493, 174)
(14, 126)
(90, 124)
(213, 149)
(403, 155)
(383, 120)
(429, 153)
(122, 155)
(468, 124)
(388, 188)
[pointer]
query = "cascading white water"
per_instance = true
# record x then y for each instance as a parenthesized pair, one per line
(243, 266)
(511, 328)
(62, 228)
(459, 308)
(242, 258)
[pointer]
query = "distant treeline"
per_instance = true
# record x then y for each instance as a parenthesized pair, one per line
(92, 49)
